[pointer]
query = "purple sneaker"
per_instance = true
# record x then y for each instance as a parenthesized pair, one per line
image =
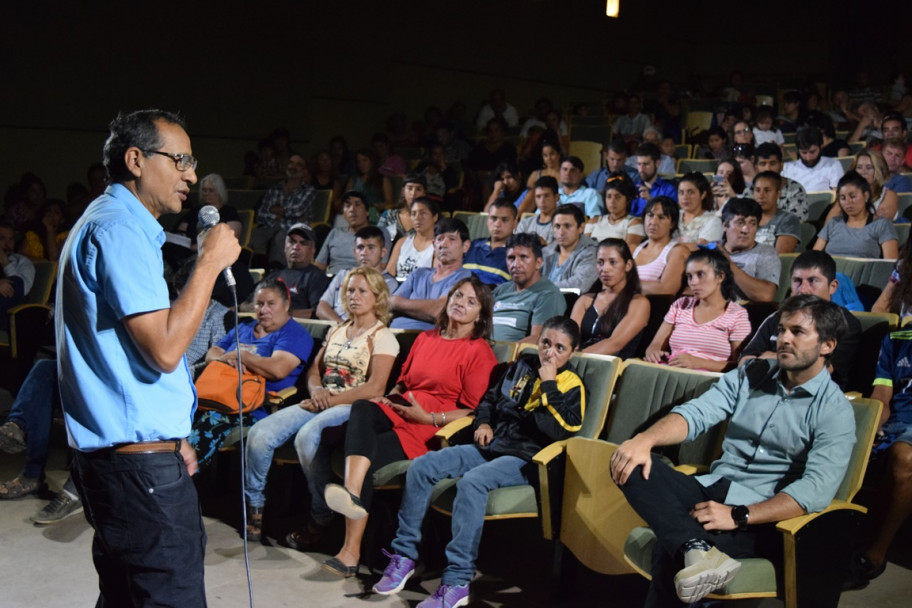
(447, 596)
(396, 574)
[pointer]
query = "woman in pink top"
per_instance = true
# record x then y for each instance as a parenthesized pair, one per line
(706, 330)
(660, 259)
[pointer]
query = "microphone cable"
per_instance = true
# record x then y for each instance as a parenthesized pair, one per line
(240, 399)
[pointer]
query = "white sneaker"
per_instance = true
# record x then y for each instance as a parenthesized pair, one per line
(703, 573)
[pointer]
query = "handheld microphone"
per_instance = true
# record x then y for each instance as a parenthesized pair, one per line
(209, 217)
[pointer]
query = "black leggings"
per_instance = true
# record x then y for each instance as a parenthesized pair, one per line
(370, 434)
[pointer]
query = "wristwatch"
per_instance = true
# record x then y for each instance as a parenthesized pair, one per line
(740, 515)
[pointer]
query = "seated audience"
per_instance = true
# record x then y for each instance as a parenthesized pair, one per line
(832, 147)
(305, 281)
(417, 249)
(660, 258)
(422, 296)
(574, 191)
(324, 175)
(630, 126)
(765, 131)
(487, 257)
(439, 176)
(336, 255)
(812, 170)
(44, 237)
(742, 134)
(370, 249)
(649, 184)
(792, 195)
(27, 429)
(813, 274)
(615, 154)
(667, 165)
(895, 152)
(497, 107)
(401, 425)
(892, 450)
(870, 164)
(551, 167)
(540, 224)
(698, 223)
(744, 155)
(18, 274)
(613, 316)
(728, 183)
(896, 296)
(778, 228)
(791, 112)
(857, 232)
(494, 150)
(274, 346)
(507, 186)
(285, 204)
(389, 164)
(397, 221)
(703, 331)
(569, 261)
(755, 267)
(523, 304)
(354, 363)
(617, 222)
(695, 523)
(539, 400)
(375, 189)
(716, 144)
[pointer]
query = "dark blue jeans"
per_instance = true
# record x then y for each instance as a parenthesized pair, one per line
(32, 412)
(149, 537)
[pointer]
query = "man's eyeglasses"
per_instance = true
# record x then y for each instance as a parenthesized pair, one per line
(183, 162)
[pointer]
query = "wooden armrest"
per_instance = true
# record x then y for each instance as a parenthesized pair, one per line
(692, 469)
(853, 395)
(792, 525)
(447, 433)
(549, 453)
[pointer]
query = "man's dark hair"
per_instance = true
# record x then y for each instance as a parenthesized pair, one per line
(791, 97)
(823, 122)
(355, 194)
(770, 175)
(808, 137)
(565, 325)
(527, 240)
(745, 207)
(451, 224)
(576, 161)
(502, 203)
(615, 145)
(650, 150)
(547, 182)
(820, 260)
(828, 317)
(894, 117)
(768, 150)
(571, 209)
(371, 232)
(134, 130)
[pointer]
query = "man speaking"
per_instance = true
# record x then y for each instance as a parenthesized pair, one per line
(126, 390)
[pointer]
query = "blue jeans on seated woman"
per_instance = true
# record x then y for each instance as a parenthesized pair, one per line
(307, 428)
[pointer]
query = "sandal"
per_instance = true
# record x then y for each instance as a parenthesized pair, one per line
(19, 487)
(254, 524)
(335, 565)
(343, 502)
(12, 439)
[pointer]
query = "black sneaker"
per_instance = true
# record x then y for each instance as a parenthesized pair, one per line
(861, 572)
(62, 506)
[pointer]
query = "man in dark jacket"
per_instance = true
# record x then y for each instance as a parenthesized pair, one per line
(538, 401)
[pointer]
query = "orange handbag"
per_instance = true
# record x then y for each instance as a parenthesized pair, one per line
(216, 389)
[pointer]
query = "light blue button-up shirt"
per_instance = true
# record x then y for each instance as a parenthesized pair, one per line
(110, 268)
(798, 443)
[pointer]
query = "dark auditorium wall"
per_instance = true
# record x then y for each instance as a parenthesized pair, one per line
(237, 69)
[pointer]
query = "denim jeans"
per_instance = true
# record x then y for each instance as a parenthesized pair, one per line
(479, 477)
(149, 537)
(32, 412)
(307, 428)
